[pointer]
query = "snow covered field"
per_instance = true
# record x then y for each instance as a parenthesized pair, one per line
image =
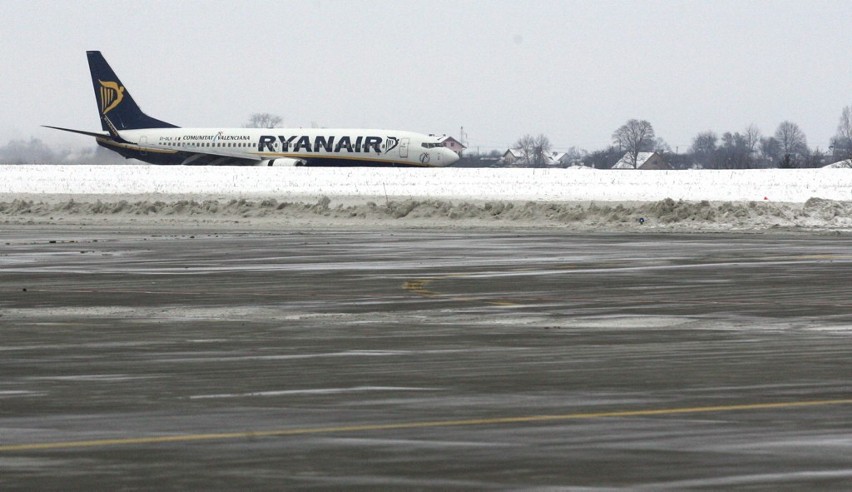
(582, 198)
(561, 185)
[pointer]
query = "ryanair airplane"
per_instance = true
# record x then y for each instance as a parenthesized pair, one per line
(135, 135)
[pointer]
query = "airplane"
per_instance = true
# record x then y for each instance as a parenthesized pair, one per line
(135, 135)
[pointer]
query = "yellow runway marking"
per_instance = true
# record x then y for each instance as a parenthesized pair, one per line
(419, 287)
(188, 438)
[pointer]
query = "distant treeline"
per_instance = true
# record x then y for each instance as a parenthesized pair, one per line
(748, 149)
(34, 151)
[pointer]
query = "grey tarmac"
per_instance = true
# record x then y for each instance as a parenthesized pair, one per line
(423, 359)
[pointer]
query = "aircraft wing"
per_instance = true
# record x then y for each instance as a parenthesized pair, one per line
(161, 156)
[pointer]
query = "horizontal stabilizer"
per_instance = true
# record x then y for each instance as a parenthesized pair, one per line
(81, 132)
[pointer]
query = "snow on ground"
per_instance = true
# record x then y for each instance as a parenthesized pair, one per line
(847, 164)
(448, 197)
(563, 185)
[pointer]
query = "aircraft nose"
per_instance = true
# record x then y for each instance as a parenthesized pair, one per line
(448, 156)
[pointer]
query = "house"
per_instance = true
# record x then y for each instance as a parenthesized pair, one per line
(517, 157)
(452, 144)
(560, 159)
(644, 160)
(513, 156)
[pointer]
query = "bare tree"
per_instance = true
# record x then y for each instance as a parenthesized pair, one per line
(704, 148)
(734, 152)
(841, 144)
(770, 149)
(816, 158)
(844, 128)
(794, 144)
(575, 155)
(525, 146)
(534, 150)
(541, 149)
(263, 120)
(752, 138)
(633, 137)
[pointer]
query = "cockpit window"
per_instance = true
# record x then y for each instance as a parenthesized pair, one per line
(430, 145)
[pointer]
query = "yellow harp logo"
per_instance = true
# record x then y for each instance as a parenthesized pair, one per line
(111, 95)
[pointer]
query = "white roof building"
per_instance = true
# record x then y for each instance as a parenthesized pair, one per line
(551, 159)
(644, 160)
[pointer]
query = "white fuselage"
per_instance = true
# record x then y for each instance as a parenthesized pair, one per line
(292, 146)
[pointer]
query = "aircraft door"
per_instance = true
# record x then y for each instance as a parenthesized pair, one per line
(143, 142)
(403, 148)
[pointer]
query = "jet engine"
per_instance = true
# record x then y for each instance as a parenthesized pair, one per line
(282, 161)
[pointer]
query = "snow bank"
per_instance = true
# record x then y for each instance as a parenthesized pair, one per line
(552, 185)
(282, 198)
(847, 164)
(665, 215)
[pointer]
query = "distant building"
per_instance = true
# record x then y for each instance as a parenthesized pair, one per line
(516, 157)
(644, 160)
(557, 159)
(453, 144)
(513, 156)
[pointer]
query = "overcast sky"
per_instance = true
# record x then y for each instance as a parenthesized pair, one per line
(572, 70)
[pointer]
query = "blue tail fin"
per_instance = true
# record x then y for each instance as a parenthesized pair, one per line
(117, 109)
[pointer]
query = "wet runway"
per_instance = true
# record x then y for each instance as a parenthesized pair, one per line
(424, 360)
